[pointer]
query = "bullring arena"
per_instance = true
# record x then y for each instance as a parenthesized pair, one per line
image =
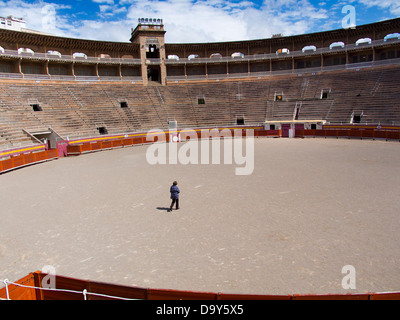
(310, 208)
(322, 195)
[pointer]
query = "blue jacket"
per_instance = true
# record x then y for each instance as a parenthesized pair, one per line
(174, 192)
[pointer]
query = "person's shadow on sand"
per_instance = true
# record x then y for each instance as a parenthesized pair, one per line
(165, 209)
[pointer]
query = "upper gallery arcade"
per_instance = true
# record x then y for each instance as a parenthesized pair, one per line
(148, 59)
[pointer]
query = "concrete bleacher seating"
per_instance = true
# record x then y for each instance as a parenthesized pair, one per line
(78, 109)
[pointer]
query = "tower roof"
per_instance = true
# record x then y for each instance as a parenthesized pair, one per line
(148, 27)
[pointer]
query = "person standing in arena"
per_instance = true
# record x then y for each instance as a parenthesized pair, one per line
(174, 190)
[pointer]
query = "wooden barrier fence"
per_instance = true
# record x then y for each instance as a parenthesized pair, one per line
(77, 149)
(91, 145)
(76, 289)
(350, 133)
(95, 144)
(24, 159)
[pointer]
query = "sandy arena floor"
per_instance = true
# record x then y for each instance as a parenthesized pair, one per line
(310, 207)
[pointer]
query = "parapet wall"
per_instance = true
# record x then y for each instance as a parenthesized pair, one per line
(23, 53)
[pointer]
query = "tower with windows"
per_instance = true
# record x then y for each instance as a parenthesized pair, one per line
(149, 34)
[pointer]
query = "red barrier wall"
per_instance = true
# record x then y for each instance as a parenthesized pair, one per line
(20, 293)
(350, 133)
(360, 133)
(66, 283)
(91, 144)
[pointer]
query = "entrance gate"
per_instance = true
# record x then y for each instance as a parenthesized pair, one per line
(62, 148)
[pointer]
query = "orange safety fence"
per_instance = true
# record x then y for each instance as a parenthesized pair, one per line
(24, 159)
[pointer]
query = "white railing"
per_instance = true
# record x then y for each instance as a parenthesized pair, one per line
(84, 292)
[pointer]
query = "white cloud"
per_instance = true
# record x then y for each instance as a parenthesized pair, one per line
(111, 10)
(102, 30)
(40, 15)
(185, 20)
(392, 5)
(216, 20)
(111, 2)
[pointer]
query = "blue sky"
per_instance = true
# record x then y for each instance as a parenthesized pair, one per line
(194, 20)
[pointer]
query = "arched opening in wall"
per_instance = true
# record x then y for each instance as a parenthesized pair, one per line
(152, 51)
(308, 49)
(1, 49)
(104, 56)
(216, 56)
(193, 56)
(79, 55)
(282, 51)
(54, 54)
(173, 57)
(363, 41)
(26, 51)
(336, 45)
(237, 55)
(392, 36)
